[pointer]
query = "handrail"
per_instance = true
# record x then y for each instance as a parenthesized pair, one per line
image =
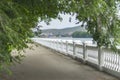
(88, 52)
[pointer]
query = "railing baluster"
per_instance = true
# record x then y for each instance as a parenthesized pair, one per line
(74, 49)
(66, 47)
(85, 55)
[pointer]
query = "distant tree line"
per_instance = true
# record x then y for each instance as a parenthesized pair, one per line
(81, 34)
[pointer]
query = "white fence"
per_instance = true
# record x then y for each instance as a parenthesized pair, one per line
(104, 59)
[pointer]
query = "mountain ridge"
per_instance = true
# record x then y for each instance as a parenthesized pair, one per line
(63, 31)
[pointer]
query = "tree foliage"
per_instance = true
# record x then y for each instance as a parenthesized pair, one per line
(17, 17)
(80, 34)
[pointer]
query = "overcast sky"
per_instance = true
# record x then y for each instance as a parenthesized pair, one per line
(56, 24)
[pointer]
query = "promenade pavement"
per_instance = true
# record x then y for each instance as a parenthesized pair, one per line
(45, 64)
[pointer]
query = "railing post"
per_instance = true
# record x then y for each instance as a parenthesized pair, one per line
(61, 45)
(66, 47)
(56, 45)
(100, 58)
(73, 48)
(85, 55)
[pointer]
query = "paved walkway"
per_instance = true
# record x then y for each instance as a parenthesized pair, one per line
(43, 64)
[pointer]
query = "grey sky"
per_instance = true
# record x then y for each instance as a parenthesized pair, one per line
(56, 24)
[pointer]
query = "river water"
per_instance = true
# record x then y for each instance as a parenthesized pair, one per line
(69, 38)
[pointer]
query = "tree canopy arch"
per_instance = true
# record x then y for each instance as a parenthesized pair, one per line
(17, 17)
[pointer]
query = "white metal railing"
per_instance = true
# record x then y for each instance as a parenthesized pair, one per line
(103, 58)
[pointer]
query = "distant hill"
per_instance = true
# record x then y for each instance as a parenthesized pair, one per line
(63, 31)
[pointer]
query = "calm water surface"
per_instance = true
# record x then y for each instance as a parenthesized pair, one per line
(69, 38)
